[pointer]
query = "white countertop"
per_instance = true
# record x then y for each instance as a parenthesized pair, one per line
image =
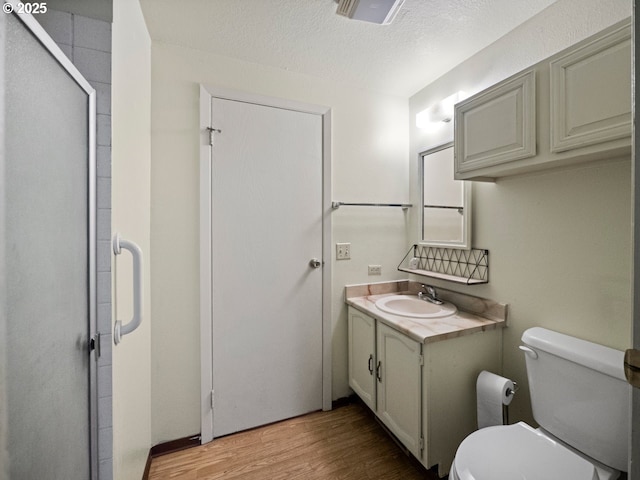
(427, 330)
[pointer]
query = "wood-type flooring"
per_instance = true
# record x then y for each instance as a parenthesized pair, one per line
(343, 444)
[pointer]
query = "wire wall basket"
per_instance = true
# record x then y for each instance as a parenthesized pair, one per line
(470, 267)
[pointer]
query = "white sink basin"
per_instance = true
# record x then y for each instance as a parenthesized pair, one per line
(412, 306)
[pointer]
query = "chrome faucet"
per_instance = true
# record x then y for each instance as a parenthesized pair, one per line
(429, 295)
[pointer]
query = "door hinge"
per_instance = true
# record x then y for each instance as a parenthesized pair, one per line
(421, 443)
(632, 367)
(421, 359)
(94, 344)
(212, 400)
(211, 132)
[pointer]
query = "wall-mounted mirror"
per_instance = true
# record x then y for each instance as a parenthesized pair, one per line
(446, 211)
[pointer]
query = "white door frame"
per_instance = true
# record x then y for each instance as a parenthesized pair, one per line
(206, 265)
(634, 444)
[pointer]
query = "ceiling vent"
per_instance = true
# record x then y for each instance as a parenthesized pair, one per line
(375, 11)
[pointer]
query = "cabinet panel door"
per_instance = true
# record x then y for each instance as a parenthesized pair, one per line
(497, 125)
(591, 93)
(362, 358)
(400, 386)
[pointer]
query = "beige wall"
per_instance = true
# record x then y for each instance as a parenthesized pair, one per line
(370, 164)
(131, 153)
(560, 243)
(374, 161)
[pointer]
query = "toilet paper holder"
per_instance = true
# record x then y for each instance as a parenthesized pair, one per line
(505, 408)
(493, 395)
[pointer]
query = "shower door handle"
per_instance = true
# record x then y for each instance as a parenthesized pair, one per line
(136, 253)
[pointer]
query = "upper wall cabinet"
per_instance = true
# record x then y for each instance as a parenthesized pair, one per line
(579, 100)
(591, 92)
(498, 125)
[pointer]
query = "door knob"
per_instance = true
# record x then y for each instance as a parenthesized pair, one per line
(315, 263)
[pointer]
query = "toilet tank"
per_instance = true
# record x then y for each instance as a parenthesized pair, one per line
(579, 394)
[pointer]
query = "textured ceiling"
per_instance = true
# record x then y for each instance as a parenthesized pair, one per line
(426, 39)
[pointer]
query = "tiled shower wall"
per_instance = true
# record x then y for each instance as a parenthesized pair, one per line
(87, 43)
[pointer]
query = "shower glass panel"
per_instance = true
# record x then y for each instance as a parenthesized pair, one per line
(47, 246)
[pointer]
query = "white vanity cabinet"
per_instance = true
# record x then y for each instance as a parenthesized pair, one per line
(572, 107)
(362, 356)
(424, 393)
(399, 389)
(384, 371)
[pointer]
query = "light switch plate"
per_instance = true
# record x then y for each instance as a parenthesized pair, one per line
(343, 251)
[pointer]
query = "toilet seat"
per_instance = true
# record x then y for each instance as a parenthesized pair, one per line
(518, 452)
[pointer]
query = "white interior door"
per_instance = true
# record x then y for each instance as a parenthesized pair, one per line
(266, 223)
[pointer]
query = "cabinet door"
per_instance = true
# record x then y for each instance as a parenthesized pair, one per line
(496, 126)
(400, 386)
(591, 92)
(362, 358)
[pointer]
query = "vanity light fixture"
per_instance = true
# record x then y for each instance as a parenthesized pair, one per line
(441, 112)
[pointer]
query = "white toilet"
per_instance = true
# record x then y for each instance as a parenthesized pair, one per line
(579, 397)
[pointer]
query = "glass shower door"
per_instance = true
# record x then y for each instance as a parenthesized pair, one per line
(49, 267)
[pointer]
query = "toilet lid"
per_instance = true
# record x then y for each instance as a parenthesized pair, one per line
(518, 452)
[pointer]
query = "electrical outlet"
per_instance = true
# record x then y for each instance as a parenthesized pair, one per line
(343, 251)
(375, 269)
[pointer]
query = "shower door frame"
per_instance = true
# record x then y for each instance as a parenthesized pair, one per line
(47, 42)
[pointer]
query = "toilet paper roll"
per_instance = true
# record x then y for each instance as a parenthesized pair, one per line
(492, 392)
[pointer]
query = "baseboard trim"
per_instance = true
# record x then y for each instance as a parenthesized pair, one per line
(147, 467)
(169, 447)
(174, 445)
(343, 401)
